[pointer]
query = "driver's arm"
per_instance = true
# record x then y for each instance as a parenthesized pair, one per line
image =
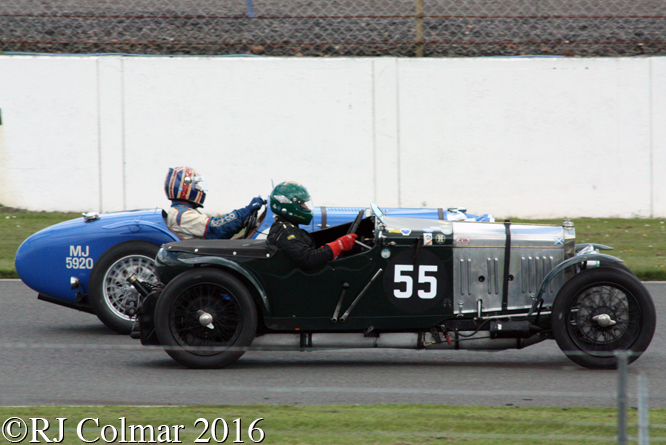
(224, 227)
(298, 245)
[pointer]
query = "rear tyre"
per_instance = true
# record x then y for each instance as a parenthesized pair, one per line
(601, 311)
(205, 318)
(109, 290)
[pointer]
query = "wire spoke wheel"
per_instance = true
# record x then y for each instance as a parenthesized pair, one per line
(117, 291)
(209, 298)
(111, 295)
(601, 311)
(205, 318)
(591, 305)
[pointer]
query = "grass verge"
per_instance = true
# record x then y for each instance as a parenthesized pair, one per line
(641, 243)
(365, 424)
(16, 226)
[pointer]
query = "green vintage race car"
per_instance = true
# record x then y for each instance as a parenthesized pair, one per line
(409, 283)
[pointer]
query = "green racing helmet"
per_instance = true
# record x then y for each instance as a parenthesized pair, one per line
(291, 201)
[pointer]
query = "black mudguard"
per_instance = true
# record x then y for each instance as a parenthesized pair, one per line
(146, 318)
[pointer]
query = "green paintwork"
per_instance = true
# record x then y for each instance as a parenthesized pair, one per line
(291, 299)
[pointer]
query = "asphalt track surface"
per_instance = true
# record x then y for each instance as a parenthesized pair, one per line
(51, 355)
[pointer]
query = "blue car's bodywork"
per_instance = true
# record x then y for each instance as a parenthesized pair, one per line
(54, 258)
(48, 260)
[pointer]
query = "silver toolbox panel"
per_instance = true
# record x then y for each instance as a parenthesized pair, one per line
(478, 272)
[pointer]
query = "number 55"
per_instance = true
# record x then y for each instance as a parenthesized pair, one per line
(398, 277)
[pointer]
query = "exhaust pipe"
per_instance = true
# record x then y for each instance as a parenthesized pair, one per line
(403, 340)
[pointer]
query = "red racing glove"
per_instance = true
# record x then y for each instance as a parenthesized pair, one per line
(342, 244)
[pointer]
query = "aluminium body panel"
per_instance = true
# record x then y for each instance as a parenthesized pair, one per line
(479, 265)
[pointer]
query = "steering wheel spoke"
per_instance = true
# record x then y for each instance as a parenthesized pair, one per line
(253, 223)
(357, 222)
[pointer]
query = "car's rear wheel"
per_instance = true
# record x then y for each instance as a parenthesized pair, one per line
(205, 318)
(601, 311)
(110, 293)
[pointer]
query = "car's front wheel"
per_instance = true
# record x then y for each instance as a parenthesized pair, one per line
(110, 294)
(205, 318)
(601, 311)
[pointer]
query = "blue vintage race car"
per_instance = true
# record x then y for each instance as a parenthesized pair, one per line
(83, 263)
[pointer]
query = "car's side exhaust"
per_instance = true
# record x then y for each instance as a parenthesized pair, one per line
(403, 340)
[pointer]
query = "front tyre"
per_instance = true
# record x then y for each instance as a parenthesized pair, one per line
(600, 311)
(205, 318)
(110, 292)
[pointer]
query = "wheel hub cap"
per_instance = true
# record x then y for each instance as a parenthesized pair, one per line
(604, 320)
(205, 319)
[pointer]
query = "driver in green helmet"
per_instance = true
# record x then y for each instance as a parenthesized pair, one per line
(290, 201)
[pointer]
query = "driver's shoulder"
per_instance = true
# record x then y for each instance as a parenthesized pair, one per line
(284, 230)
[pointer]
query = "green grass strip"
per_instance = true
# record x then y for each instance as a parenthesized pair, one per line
(16, 226)
(359, 424)
(641, 243)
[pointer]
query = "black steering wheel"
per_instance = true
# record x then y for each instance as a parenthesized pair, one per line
(357, 222)
(253, 222)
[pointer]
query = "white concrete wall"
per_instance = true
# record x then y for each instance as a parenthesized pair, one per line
(527, 137)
